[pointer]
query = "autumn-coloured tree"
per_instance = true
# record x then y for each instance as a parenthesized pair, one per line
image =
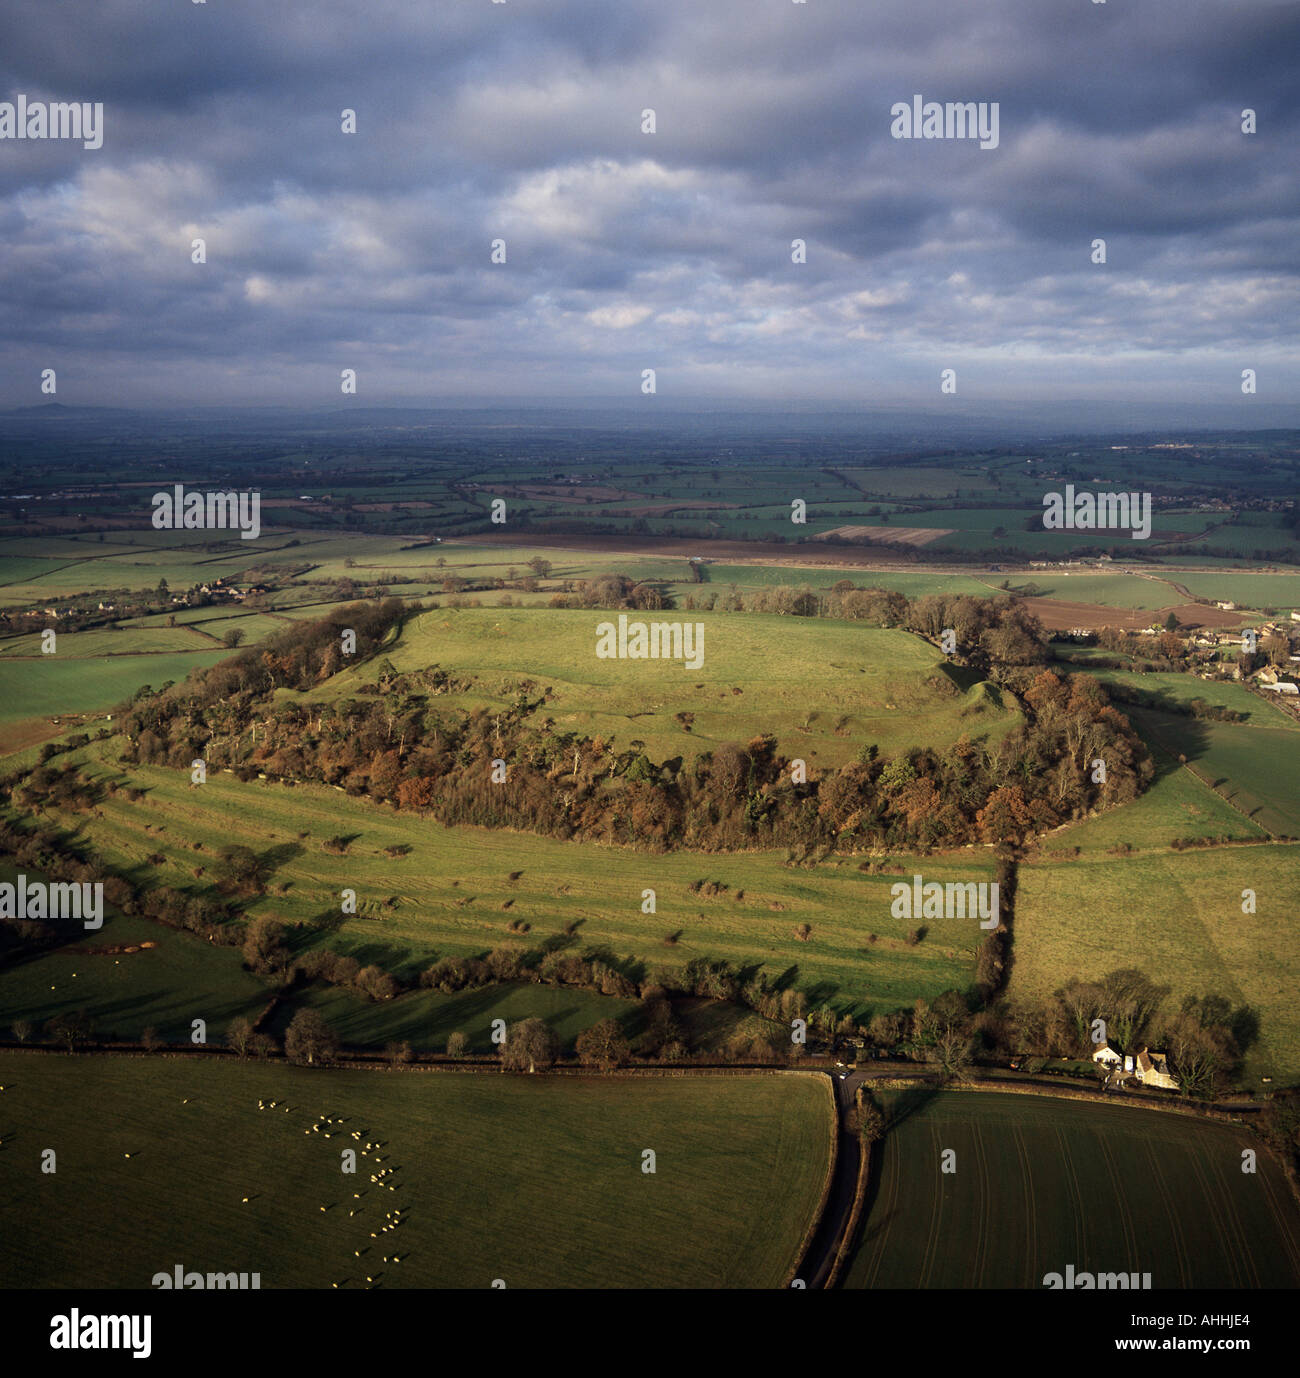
(1005, 817)
(603, 1045)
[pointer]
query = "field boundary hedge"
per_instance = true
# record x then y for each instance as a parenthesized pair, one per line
(866, 1152)
(1020, 1088)
(815, 1219)
(379, 1062)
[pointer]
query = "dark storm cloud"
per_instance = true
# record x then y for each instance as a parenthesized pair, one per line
(672, 250)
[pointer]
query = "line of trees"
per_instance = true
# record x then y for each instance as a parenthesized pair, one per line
(393, 743)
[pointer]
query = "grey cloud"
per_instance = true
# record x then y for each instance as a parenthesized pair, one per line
(629, 251)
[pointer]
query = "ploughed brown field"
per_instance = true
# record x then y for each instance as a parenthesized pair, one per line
(900, 535)
(31, 732)
(1060, 616)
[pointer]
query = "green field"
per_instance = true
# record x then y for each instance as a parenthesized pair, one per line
(534, 1181)
(179, 979)
(1238, 780)
(212, 622)
(1108, 590)
(1178, 918)
(58, 684)
(1177, 804)
(824, 689)
(1041, 1184)
(1175, 688)
(1255, 768)
(454, 895)
(1247, 590)
(105, 643)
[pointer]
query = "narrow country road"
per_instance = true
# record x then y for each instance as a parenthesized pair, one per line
(815, 1267)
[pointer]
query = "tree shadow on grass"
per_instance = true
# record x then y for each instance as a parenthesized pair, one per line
(557, 942)
(909, 1102)
(1245, 1028)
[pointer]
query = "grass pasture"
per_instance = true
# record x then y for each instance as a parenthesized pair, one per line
(1238, 779)
(58, 684)
(1254, 768)
(1178, 918)
(823, 688)
(178, 979)
(1172, 688)
(536, 1181)
(454, 895)
(1042, 1183)
(1247, 590)
(1133, 591)
(103, 643)
(1177, 804)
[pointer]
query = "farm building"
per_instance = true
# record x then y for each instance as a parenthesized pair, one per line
(1153, 1070)
(1107, 1055)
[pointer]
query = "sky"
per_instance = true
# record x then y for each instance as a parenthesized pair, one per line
(672, 250)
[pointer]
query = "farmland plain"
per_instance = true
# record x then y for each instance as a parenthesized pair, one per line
(1041, 1184)
(534, 1181)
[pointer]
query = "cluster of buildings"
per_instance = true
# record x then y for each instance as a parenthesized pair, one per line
(1146, 1067)
(218, 591)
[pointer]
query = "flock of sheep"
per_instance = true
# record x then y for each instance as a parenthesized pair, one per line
(380, 1178)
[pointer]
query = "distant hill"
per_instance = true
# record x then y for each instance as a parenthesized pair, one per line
(57, 410)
